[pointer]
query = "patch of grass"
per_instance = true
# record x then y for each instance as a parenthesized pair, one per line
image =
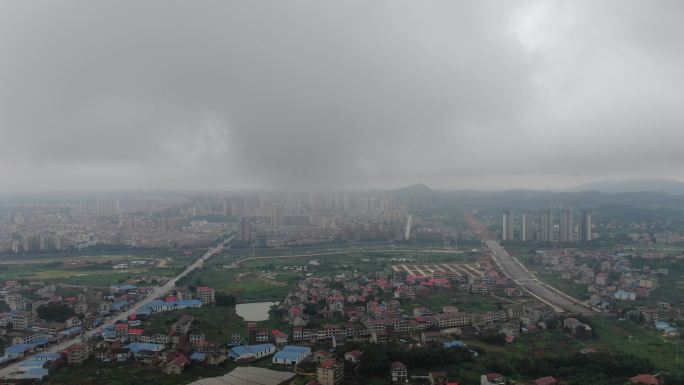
(569, 287)
(247, 287)
(103, 280)
(639, 340)
(216, 322)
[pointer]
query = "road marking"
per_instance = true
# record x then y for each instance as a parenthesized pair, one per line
(453, 270)
(466, 271)
(477, 271)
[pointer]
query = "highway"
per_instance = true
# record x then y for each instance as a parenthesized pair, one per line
(513, 269)
(151, 295)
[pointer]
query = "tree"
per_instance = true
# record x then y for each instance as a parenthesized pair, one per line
(225, 299)
(55, 312)
(310, 309)
(375, 361)
(493, 337)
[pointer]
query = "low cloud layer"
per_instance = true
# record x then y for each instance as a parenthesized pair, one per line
(312, 94)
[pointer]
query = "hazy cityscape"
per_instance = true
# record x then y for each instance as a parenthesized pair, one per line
(341, 192)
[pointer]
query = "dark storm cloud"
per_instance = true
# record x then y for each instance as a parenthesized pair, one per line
(225, 94)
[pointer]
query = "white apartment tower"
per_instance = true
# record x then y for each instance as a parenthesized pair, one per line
(507, 233)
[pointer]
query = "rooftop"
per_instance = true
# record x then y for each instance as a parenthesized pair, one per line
(248, 374)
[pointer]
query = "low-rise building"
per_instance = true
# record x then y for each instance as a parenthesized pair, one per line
(77, 354)
(291, 355)
(330, 373)
(398, 372)
(206, 294)
(492, 379)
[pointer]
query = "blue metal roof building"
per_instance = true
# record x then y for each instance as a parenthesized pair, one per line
(123, 288)
(20, 349)
(248, 352)
(143, 311)
(158, 305)
(118, 306)
(137, 347)
(45, 357)
(70, 332)
(454, 344)
(291, 355)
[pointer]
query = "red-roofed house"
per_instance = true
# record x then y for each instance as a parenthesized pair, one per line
(135, 334)
(322, 356)
(437, 378)
(399, 373)
(330, 373)
(176, 365)
(279, 338)
(492, 379)
(646, 379)
(121, 329)
(336, 302)
(77, 354)
(353, 356)
(295, 311)
(206, 294)
(548, 380)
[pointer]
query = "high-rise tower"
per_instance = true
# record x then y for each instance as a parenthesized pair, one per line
(507, 232)
(585, 226)
(525, 228)
(546, 227)
(565, 234)
(245, 229)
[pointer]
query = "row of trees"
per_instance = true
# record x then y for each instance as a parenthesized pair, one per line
(574, 369)
(578, 368)
(377, 357)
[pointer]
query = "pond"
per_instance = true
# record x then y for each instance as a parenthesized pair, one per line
(252, 312)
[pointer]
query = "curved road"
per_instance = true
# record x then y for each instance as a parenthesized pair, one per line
(152, 295)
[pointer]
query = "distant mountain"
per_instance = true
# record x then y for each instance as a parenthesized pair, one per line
(666, 186)
(414, 190)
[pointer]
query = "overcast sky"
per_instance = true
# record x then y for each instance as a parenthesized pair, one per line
(286, 94)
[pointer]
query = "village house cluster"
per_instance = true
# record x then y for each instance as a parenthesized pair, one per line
(25, 333)
(613, 284)
(386, 305)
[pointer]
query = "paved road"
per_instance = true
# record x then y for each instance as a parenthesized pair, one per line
(516, 271)
(407, 232)
(152, 295)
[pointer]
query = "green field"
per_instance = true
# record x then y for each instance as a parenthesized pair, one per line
(567, 286)
(245, 285)
(642, 341)
(217, 323)
(248, 281)
(91, 270)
